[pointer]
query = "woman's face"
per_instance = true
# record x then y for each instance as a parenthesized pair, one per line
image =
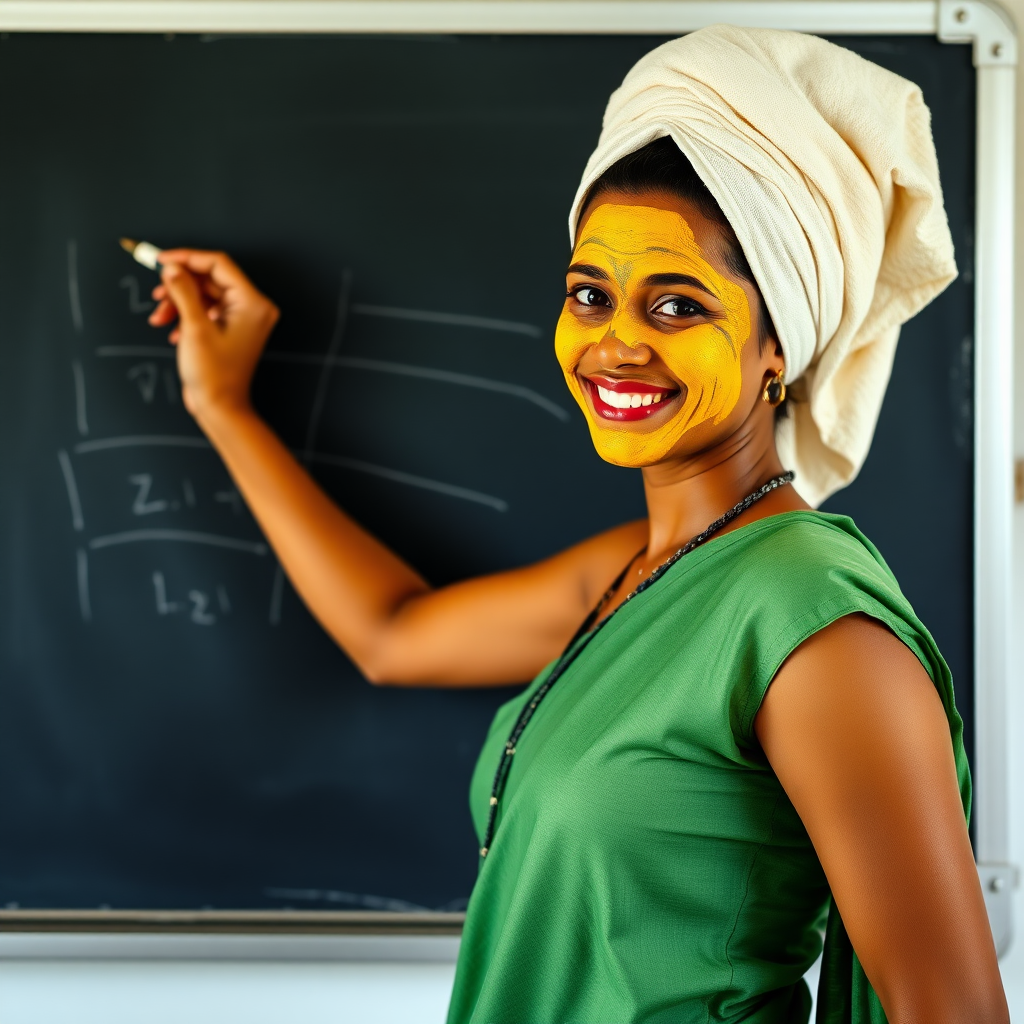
(655, 336)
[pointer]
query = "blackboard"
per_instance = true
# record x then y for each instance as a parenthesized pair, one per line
(175, 730)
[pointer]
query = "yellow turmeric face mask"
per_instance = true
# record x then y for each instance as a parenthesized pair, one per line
(651, 334)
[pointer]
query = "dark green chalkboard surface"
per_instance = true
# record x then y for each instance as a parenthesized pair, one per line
(175, 730)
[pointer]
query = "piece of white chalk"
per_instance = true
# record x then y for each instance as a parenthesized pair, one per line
(146, 253)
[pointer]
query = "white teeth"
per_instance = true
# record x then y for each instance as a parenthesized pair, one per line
(613, 399)
(624, 400)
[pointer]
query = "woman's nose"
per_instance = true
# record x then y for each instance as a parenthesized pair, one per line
(620, 347)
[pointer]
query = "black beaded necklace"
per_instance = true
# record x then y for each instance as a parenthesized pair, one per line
(592, 625)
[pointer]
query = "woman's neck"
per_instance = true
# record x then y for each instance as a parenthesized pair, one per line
(685, 496)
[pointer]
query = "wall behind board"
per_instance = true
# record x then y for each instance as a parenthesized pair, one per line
(175, 730)
(169, 992)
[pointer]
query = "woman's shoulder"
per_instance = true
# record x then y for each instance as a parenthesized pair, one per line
(775, 580)
(806, 530)
(806, 548)
(780, 579)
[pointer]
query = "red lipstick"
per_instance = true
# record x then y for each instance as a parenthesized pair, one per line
(627, 400)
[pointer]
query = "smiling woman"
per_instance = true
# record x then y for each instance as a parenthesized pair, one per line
(748, 732)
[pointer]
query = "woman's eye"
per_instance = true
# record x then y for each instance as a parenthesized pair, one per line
(588, 296)
(679, 307)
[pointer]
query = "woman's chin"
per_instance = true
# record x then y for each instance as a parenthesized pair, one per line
(629, 449)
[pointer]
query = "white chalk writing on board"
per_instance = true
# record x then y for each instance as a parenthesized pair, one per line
(156, 494)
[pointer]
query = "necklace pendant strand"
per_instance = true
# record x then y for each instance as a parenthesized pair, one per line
(592, 625)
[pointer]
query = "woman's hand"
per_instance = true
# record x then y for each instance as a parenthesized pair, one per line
(224, 322)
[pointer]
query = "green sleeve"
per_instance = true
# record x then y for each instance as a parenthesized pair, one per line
(840, 573)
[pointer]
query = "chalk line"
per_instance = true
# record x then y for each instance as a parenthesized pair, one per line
(141, 441)
(73, 293)
(84, 605)
(136, 351)
(412, 480)
(182, 536)
(426, 373)
(80, 417)
(72, 488)
(453, 319)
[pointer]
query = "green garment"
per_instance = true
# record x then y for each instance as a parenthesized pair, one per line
(647, 864)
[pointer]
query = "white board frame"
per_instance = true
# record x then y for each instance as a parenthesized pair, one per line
(978, 22)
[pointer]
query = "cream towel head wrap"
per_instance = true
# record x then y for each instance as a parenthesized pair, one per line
(824, 165)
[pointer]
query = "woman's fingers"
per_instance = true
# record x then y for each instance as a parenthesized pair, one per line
(185, 293)
(166, 312)
(221, 268)
(211, 289)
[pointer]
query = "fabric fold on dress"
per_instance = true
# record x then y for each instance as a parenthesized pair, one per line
(825, 167)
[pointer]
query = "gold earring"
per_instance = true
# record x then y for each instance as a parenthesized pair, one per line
(775, 390)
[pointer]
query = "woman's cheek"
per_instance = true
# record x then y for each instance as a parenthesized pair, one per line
(711, 370)
(571, 341)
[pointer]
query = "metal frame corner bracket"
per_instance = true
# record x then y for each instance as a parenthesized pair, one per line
(985, 25)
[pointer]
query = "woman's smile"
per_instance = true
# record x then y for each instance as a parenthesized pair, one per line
(627, 400)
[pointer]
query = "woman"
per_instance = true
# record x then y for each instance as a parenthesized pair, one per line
(751, 718)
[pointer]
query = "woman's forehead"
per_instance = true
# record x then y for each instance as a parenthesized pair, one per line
(635, 229)
(616, 230)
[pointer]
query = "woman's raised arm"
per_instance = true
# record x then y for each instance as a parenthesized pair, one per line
(486, 631)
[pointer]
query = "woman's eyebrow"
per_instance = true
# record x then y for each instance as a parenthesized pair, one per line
(668, 279)
(588, 270)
